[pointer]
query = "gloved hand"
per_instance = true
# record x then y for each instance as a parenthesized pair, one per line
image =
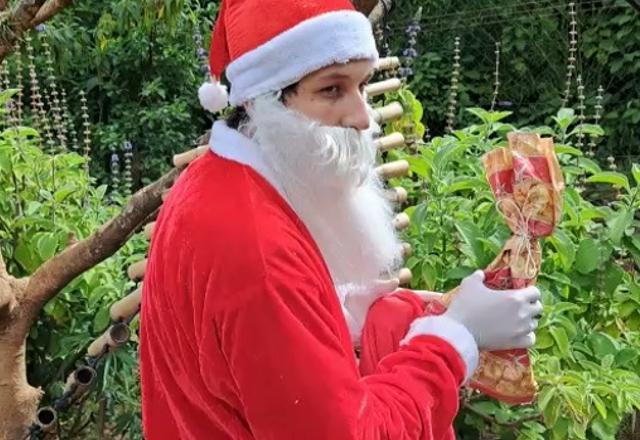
(357, 299)
(497, 320)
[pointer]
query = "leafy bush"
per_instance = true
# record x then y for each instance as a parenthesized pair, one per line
(587, 355)
(47, 201)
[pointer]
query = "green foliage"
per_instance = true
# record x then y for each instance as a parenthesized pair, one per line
(138, 63)
(45, 201)
(586, 359)
(534, 41)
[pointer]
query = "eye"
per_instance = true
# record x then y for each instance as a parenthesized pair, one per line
(331, 91)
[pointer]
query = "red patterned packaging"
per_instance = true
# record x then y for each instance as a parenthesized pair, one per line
(527, 183)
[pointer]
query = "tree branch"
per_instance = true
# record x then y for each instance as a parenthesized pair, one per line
(24, 16)
(364, 6)
(57, 272)
(48, 10)
(379, 11)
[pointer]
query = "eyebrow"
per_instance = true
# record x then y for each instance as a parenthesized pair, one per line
(338, 75)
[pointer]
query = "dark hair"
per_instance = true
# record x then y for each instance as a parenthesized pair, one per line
(239, 115)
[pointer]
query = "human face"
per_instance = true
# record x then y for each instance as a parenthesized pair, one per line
(334, 95)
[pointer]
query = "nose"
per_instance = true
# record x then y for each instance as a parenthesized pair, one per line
(356, 114)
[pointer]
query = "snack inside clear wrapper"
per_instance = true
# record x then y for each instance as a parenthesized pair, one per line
(527, 183)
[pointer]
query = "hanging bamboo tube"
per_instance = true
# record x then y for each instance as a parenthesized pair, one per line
(406, 250)
(184, 159)
(394, 140)
(405, 275)
(381, 87)
(401, 221)
(393, 169)
(128, 306)
(397, 194)
(387, 113)
(79, 381)
(46, 418)
(136, 270)
(115, 336)
(388, 63)
(148, 230)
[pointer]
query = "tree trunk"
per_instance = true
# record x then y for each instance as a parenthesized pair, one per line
(18, 400)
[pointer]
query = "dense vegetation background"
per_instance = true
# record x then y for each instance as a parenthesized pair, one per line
(139, 63)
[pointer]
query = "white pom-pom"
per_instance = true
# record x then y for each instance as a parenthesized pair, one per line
(213, 96)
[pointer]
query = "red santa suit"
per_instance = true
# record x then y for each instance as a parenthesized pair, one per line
(243, 336)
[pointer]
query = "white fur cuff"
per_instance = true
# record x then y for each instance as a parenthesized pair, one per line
(452, 332)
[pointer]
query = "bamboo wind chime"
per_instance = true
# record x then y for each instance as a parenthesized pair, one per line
(126, 309)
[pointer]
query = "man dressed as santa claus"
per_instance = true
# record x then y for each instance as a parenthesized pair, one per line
(271, 247)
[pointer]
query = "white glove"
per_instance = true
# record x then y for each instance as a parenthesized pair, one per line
(497, 319)
(356, 299)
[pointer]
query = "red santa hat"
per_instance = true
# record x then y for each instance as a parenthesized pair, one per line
(267, 45)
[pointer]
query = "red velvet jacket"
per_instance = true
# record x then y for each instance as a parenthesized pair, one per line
(243, 337)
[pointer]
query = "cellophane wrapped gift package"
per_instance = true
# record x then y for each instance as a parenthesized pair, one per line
(527, 184)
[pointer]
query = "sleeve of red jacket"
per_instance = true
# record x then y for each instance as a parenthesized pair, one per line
(296, 380)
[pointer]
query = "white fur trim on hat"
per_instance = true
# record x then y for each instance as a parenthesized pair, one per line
(451, 331)
(334, 37)
(213, 96)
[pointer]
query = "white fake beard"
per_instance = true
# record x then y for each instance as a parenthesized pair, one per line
(328, 177)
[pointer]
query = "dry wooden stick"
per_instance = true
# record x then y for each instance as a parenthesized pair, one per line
(382, 87)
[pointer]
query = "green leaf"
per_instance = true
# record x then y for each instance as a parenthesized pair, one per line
(562, 340)
(618, 224)
(587, 256)
(602, 344)
(562, 308)
(589, 165)
(32, 207)
(545, 396)
(590, 129)
(612, 278)
(465, 184)
(565, 118)
(602, 431)
(429, 274)
(101, 320)
(5, 160)
(24, 256)
(96, 294)
(625, 356)
(459, 272)
(607, 361)
(64, 192)
(470, 235)
(101, 191)
(544, 340)
(47, 245)
(565, 247)
(635, 170)
(420, 166)
(445, 153)
(560, 429)
(551, 412)
(566, 149)
(616, 179)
